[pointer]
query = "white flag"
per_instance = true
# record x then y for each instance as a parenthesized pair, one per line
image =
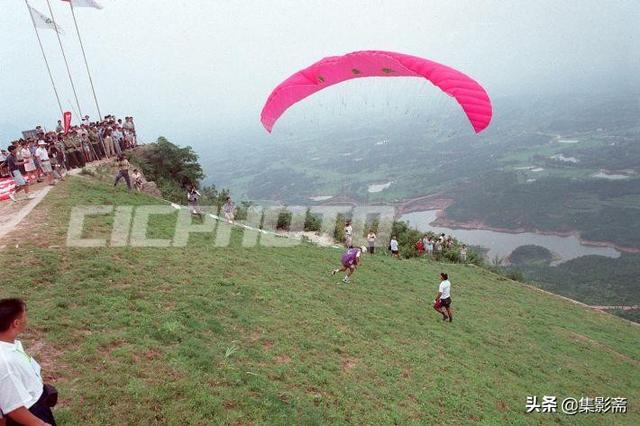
(84, 3)
(43, 21)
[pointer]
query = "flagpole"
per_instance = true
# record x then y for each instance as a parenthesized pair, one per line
(46, 62)
(75, 94)
(86, 64)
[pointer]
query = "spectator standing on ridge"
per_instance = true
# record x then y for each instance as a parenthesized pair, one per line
(123, 171)
(14, 170)
(108, 144)
(59, 127)
(430, 247)
(394, 247)
(371, 239)
(348, 234)
(443, 299)
(45, 163)
(27, 159)
(57, 161)
(229, 210)
(24, 398)
(463, 254)
(192, 197)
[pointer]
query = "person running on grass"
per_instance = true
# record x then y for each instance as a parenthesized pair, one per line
(443, 299)
(351, 259)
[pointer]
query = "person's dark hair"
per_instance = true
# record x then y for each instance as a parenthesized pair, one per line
(10, 310)
(11, 148)
(444, 276)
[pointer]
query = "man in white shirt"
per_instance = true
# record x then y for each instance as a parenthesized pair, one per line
(394, 247)
(371, 239)
(43, 157)
(23, 398)
(348, 235)
(443, 299)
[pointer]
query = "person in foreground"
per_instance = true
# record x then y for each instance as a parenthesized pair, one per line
(443, 299)
(24, 399)
(350, 261)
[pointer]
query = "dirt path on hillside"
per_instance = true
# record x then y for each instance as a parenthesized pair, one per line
(13, 213)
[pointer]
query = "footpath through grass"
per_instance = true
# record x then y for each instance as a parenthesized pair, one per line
(232, 335)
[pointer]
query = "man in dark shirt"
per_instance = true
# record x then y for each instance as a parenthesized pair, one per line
(14, 170)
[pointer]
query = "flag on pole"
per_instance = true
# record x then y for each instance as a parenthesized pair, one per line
(84, 3)
(67, 121)
(41, 20)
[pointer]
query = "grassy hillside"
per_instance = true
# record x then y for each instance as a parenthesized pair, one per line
(205, 335)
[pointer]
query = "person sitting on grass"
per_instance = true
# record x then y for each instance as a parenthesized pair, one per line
(351, 259)
(123, 171)
(137, 180)
(24, 399)
(443, 299)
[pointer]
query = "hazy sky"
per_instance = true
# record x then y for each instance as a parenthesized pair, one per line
(184, 68)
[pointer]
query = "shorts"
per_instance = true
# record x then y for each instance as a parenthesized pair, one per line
(17, 178)
(349, 265)
(394, 251)
(348, 240)
(46, 166)
(29, 167)
(445, 303)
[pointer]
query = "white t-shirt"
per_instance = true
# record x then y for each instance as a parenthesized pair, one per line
(26, 155)
(394, 245)
(42, 154)
(20, 381)
(445, 289)
(371, 237)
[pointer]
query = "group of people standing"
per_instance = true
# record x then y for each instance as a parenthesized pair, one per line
(49, 154)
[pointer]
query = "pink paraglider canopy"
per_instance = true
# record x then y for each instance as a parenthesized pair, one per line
(374, 63)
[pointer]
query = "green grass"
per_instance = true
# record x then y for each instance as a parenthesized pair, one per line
(205, 335)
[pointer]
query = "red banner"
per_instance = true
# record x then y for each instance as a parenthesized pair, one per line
(67, 121)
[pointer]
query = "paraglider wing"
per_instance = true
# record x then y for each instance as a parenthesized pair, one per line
(374, 63)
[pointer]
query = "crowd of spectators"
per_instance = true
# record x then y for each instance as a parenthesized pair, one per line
(43, 154)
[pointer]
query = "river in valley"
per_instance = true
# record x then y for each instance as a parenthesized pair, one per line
(501, 244)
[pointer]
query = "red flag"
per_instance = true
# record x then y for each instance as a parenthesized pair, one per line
(67, 121)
